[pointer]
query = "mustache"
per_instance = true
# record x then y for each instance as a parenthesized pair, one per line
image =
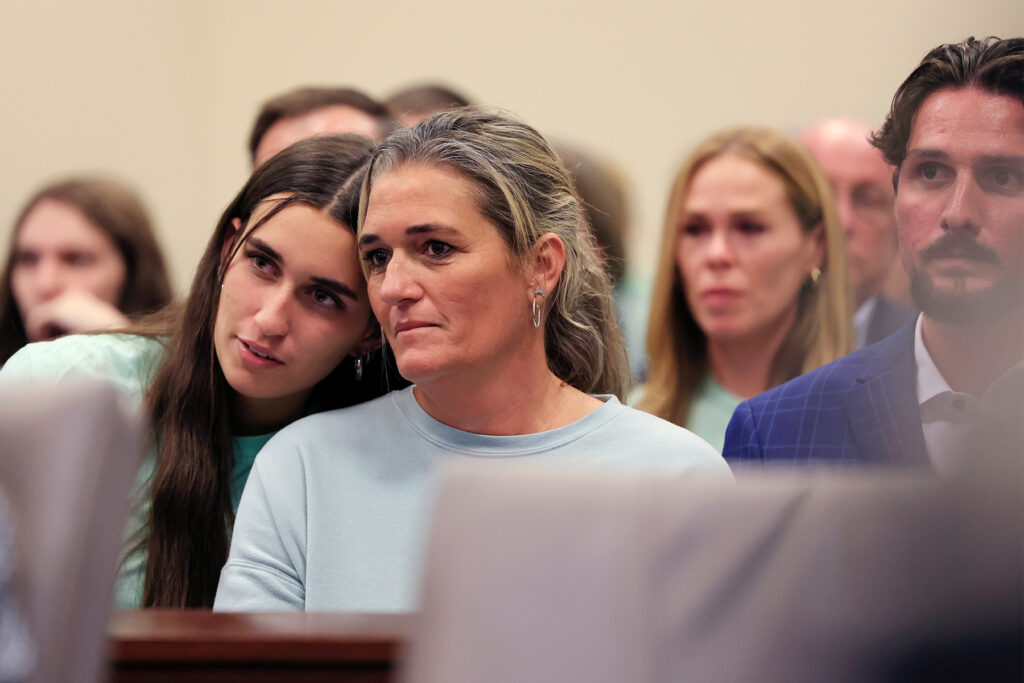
(959, 245)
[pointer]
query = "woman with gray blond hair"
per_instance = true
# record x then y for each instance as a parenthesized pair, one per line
(492, 298)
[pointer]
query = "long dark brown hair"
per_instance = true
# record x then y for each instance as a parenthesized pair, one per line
(187, 534)
(117, 211)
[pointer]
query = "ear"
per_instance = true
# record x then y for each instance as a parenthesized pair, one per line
(369, 342)
(547, 259)
(229, 241)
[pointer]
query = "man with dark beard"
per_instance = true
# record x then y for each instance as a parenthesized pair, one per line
(945, 391)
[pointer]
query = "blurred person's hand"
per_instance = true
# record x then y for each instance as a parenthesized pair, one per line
(73, 310)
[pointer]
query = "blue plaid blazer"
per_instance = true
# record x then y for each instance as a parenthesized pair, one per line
(861, 408)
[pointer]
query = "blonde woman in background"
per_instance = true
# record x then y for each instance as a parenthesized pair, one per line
(751, 287)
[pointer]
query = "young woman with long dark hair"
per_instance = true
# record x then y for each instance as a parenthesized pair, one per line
(277, 325)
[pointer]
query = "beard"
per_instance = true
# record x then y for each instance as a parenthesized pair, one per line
(959, 306)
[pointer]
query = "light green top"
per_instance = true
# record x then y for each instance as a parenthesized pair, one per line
(129, 362)
(711, 410)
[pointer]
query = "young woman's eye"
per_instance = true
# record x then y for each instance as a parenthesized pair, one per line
(324, 298)
(437, 248)
(1001, 179)
(25, 259)
(260, 262)
(375, 259)
(79, 259)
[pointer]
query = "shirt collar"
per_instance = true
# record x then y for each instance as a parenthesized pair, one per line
(930, 381)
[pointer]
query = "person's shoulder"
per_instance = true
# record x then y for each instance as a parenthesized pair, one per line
(330, 431)
(662, 439)
(836, 377)
(842, 374)
(107, 356)
(361, 414)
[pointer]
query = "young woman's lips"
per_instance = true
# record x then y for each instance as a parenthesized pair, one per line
(256, 356)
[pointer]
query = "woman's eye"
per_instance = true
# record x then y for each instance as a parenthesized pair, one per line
(25, 259)
(79, 259)
(692, 229)
(751, 228)
(438, 249)
(260, 262)
(324, 298)
(375, 258)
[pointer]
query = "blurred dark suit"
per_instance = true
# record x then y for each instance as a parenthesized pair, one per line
(887, 317)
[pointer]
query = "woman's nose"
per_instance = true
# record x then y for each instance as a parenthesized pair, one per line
(719, 251)
(398, 283)
(272, 317)
(49, 278)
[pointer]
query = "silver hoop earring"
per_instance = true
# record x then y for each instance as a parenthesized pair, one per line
(537, 308)
(359, 368)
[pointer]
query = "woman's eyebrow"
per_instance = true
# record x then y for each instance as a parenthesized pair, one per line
(265, 248)
(419, 229)
(339, 288)
(429, 228)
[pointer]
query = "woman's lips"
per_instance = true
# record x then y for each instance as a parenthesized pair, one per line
(409, 325)
(257, 356)
(720, 296)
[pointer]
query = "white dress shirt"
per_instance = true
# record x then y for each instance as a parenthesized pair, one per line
(951, 419)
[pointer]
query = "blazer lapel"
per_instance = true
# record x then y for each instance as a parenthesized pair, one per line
(882, 407)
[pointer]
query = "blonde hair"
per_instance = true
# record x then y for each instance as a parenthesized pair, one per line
(822, 331)
(526, 192)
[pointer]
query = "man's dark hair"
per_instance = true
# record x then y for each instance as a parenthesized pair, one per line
(424, 99)
(306, 99)
(992, 64)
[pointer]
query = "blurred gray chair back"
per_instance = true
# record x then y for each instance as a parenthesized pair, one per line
(859, 576)
(68, 457)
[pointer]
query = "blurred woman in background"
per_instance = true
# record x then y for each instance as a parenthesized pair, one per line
(82, 257)
(751, 287)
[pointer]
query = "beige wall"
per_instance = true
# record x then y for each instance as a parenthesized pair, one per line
(162, 92)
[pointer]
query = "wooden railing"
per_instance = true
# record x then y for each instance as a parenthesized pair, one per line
(187, 645)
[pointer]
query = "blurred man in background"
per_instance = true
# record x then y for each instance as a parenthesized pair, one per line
(310, 111)
(862, 182)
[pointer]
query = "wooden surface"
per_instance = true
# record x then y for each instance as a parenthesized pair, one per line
(197, 645)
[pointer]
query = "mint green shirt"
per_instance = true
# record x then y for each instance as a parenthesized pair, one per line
(711, 410)
(129, 362)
